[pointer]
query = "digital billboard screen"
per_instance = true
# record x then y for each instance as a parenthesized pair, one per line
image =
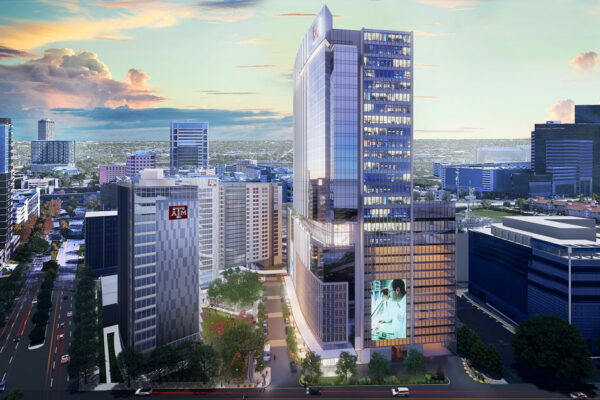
(388, 309)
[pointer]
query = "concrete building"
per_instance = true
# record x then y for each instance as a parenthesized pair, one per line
(45, 129)
(25, 202)
(46, 185)
(112, 171)
(158, 261)
(565, 158)
(539, 265)
(250, 224)
(189, 145)
(139, 161)
(208, 226)
(101, 242)
(242, 166)
(504, 154)
(354, 241)
(47, 155)
(6, 188)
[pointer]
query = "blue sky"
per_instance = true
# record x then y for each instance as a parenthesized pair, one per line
(116, 70)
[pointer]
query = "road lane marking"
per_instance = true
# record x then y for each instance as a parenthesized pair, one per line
(53, 363)
(51, 380)
(4, 376)
(11, 357)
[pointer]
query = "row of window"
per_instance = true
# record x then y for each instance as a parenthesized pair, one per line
(145, 313)
(141, 260)
(150, 301)
(387, 85)
(385, 96)
(386, 62)
(143, 228)
(375, 200)
(385, 131)
(140, 271)
(145, 238)
(386, 37)
(386, 108)
(149, 280)
(151, 248)
(145, 335)
(386, 50)
(145, 292)
(386, 119)
(144, 217)
(387, 73)
(145, 324)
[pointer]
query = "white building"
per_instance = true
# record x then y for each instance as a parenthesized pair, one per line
(25, 202)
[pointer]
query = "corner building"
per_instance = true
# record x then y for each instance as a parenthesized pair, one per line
(352, 232)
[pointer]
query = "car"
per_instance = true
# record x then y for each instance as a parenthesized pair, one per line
(70, 314)
(578, 395)
(265, 324)
(65, 359)
(17, 338)
(2, 386)
(61, 337)
(146, 391)
(61, 325)
(282, 299)
(312, 391)
(287, 320)
(265, 331)
(400, 392)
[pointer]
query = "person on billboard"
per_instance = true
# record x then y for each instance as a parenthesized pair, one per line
(389, 315)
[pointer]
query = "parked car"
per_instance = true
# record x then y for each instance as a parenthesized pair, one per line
(2, 386)
(400, 392)
(312, 391)
(287, 320)
(147, 391)
(70, 314)
(17, 338)
(65, 359)
(578, 395)
(293, 368)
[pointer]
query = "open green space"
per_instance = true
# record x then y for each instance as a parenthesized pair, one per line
(486, 213)
(214, 323)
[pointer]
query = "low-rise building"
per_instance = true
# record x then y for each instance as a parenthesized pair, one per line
(108, 172)
(25, 203)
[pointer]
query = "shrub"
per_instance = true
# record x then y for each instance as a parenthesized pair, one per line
(37, 334)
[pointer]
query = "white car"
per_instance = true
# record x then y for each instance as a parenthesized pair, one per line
(400, 391)
(143, 391)
(578, 395)
(65, 359)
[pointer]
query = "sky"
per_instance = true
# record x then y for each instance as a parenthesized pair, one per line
(123, 69)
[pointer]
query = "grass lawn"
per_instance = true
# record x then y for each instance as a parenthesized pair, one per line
(493, 214)
(213, 321)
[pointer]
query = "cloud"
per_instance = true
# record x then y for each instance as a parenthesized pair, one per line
(254, 41)
(423, 33)
(7, 52)
(586, 61)
(64, 78)
(563, 110)
(427, 65)
(255, 66)
(228, 4)
(299, 14)
(427, 97)
(128, 4)
(223, 93)
(152, 123)
(451, 3)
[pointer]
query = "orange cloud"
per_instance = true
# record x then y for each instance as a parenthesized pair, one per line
(451, 3)
(423, 33)
(563, 110)
(588, 60)
(256, 66)
(427, 65)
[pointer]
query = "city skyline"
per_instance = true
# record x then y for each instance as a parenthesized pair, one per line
(72, 61)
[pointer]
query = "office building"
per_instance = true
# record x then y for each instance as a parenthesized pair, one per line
(101, 241)
(250, 224)
(353, 233)
(189, 145)
(504, 154)
(208, 226)
(565, 158)
(158, 261)
(490, 179)
(139, 161)
(45, 129)
(26, 202)
(242, 166)
(6, 187)
(111, 171)
(539, 265)
(47, 155)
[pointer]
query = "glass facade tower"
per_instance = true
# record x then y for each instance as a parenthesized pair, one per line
(353, 229)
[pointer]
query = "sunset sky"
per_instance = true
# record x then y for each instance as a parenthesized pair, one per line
(121, 70)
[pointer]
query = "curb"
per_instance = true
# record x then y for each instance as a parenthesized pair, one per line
(469, 372)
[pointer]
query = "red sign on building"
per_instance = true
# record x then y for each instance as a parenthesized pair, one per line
(178, 212)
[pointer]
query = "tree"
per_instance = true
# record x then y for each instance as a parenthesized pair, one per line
(38, 245)
(237, 343)
(15, 394)
(429, 196)
(204, 361)
(493, 361)
(415, 362)
(311, 368)
(160, 360)
(446, 196)
(506, 203)
(346, 366)
(132, 362)
(465, 338)
(237, 288)
(551, 345)
(477, 354)
(486, 203)
(379, 367)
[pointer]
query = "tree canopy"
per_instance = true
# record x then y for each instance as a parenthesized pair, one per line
(346, 365)
(379, 367)
(236, 288)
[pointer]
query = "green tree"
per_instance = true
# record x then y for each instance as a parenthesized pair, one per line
(429, 196)
(415, 362)
(132, 362)
(486, 203)
(38, 245)
(550, 344)
(237, 288)
(346, 366)
(477, 354)
(15, 394)
(506, 203)
(161, 359)
(40, 317)
(465, 338)
(493, 361)
(311, 368)
(446, 196)
(379, 367)
(237, 343)
(204, 362)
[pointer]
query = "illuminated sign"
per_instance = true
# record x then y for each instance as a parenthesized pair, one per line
(178, 212)
(388, 309)
(212, 182)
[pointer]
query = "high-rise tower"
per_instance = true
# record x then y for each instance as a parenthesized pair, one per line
(354, 236)
(189, 145)
(45, 129)
(6, 187)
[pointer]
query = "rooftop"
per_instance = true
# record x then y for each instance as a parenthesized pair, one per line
(93, 214)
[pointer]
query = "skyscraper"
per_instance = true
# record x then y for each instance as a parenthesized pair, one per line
(158, 261)
(139, 161)
(189, 145)
(6, 187)
(352, 246)
(45, 129)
